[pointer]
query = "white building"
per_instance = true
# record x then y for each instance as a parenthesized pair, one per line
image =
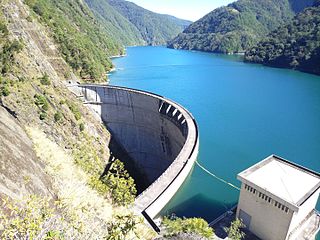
(278, 198)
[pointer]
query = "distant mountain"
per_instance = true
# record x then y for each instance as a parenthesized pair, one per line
(238, 26)
(88, 32)
(155, 29)
(115, 24)
(296, 45)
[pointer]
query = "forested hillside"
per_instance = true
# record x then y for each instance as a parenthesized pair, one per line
(53, 181)
(116, 25)
(296, 45)
(238, 26)
(89, 32)
(83, 41)
(155, 29)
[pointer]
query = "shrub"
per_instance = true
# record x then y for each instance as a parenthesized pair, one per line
(58, 116)
(3, 29)
(5, 91)
(43, 115)
(28, 219)
(121, 227)
(41, 102)
(44, 80)
(121, 185)
(7, 54)
(98, 185)
(234, 231)
(75, 110)
(81, 127)
(176, 226)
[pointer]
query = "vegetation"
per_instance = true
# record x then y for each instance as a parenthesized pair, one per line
(235, 230)
(36, 217)
(296, 45)
(4, 90)
(175, 226)
(87, 38)
(75, 110)
(83, 42)
(115, 24)
(121, 227)
(114, 183)
(28, 94)
(31, 218)
(58, 116)
(149, 27)
(44, 80)
(7, 55)
(120, 184)
(81, 127)
(42, 103)
(236, 27)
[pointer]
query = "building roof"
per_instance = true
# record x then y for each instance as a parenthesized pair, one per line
(290, 182)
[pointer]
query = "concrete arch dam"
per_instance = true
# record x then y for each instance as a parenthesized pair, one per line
(159, 135)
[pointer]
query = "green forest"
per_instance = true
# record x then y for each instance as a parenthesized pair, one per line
(89, 32)
(296, 45)
(238, 26)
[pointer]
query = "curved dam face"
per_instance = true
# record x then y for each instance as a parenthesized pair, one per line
(160, 136)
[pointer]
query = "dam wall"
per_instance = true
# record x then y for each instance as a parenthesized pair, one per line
(159, 135)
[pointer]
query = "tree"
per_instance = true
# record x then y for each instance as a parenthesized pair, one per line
(175, 226)
(121, 185)
(234, 231)
(121, 227)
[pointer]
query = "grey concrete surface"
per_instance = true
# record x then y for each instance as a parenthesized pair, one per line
(160, 135)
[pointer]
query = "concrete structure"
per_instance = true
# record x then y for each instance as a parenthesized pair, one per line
(158, 134)
(278, 198)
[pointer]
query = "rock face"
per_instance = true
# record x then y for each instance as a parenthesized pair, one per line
(21, 173)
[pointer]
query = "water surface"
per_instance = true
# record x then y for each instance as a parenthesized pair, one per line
(245, 112)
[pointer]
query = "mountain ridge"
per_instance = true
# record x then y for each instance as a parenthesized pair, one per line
(295, 45)
(155, 28)
(237, 26)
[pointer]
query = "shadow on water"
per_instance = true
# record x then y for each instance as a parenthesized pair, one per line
(203, 206)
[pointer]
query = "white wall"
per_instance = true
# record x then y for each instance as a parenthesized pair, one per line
(304, 210)
(267, 221)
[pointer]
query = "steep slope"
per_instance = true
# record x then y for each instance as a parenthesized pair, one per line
(24, 173)
(116, 25)
(296, 45)
(155, 29)
(51, 145)
(84, 43)
(236, 27)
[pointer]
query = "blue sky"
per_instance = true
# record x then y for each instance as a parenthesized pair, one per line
(186, 9)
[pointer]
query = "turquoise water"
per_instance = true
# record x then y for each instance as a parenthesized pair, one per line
(245, 112)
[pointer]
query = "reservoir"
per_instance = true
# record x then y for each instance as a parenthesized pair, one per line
(245, 112)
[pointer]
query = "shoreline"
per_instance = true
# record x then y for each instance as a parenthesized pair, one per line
(117, 56)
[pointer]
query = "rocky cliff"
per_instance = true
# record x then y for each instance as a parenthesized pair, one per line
(51, 146)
